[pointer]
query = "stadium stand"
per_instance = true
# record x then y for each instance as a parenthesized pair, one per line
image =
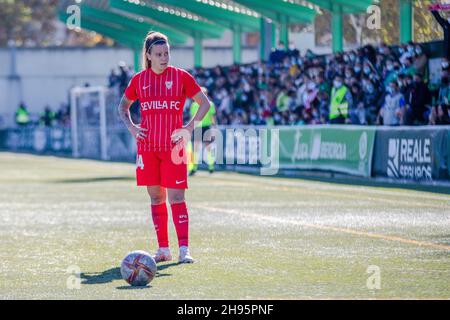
(379, 85)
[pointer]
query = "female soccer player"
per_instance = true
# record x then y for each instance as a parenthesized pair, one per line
(161, 162)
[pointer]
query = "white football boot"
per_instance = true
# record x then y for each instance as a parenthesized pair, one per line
(163, 254)
(185, 257)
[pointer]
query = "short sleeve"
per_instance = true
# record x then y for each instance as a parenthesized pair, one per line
(191, 86)
(130, 91)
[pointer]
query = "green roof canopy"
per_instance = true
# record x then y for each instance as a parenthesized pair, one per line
(348, 6)
(129, 20)
(193, 27)
(222, 15)
(276, 9)
(113, 31)
(135, 26)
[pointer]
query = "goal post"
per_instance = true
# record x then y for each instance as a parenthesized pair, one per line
(97, 131)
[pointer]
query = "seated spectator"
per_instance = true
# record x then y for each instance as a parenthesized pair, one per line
(391, 114)
(310, 95)
(439, 115)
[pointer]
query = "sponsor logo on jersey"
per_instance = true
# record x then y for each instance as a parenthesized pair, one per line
(160, 105)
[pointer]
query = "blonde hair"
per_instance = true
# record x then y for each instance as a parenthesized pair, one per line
(152, 38)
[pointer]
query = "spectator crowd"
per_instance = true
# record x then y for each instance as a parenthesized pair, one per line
(367, 86)
(47, 118)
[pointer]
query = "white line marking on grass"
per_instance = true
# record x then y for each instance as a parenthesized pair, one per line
(353, 197)
(314, 185)
(323, 227)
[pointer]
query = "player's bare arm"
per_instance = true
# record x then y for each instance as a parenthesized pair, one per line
(204, 104)
(124, 114)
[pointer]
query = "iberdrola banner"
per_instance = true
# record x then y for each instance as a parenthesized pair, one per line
(346, 149)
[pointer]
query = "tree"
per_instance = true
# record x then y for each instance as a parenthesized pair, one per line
(357, 33)
(26, 21)
(34, 23)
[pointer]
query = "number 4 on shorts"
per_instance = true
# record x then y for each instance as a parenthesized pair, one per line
(139, 162)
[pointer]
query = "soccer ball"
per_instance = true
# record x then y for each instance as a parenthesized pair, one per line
(138, 268)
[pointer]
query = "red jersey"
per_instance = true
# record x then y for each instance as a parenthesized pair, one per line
(161, 98)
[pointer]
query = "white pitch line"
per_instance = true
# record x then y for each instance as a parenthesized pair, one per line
(313, 185)
(258, 217)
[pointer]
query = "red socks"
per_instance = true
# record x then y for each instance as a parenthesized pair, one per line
(181, 222)
(159, 215)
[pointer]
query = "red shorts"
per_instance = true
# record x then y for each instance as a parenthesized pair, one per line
(165, 168)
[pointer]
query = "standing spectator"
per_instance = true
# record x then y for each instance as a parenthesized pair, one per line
(445, 67)
(22, 115)
(63, 115)
(420, 62)
(112, 78)
(372, 100)
(341, 101)
(408, 84)
(282, 102)
(358, 113)
(393, 109)
(123, 76)
(416, 102)
(47, 117)
(277, 55)
(445, 24)
(444, 90)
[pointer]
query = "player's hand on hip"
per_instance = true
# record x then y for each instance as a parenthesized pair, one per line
(138, 132)
(182, 134)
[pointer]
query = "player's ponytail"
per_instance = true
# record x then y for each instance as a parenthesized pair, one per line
(152, 38)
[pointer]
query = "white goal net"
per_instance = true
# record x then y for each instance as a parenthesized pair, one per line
(97, 131)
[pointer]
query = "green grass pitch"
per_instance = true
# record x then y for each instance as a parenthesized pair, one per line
(253, 237)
